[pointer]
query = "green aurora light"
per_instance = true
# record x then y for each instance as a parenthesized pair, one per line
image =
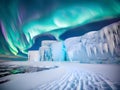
(21, 22)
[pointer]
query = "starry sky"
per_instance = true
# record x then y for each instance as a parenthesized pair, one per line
(25, 23)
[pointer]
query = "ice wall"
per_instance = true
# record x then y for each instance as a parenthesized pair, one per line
(96, 46)
(101, 46)
(52, 51)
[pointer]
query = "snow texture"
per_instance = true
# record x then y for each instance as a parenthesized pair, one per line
(79, 80)
(68, 76)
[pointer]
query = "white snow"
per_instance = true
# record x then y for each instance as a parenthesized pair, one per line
(68, 76)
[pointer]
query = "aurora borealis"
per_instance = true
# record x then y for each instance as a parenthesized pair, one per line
(22, 21)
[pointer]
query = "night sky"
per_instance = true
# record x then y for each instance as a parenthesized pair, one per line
(25, 23)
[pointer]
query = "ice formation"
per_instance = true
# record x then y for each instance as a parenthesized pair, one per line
(101, 46)
(96, 46)
(58, 51)
(45, 50)
(33, 55)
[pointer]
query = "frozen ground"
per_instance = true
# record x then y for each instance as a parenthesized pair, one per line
(68, 76)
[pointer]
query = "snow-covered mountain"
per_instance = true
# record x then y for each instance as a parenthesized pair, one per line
(101, 46)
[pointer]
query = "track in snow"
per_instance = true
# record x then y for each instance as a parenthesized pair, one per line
(80, 80)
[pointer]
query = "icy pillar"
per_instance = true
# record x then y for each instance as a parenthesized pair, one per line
(45, 53)
(58, 51)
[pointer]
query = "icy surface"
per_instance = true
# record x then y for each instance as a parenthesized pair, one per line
(58, 51)
(45, 53)
(68, 76)
(45, 50)
(52, 51)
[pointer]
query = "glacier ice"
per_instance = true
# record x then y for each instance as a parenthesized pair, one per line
(45, 53)
(45, 50)
(58, 51)
(101, 46)
(52, 51)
